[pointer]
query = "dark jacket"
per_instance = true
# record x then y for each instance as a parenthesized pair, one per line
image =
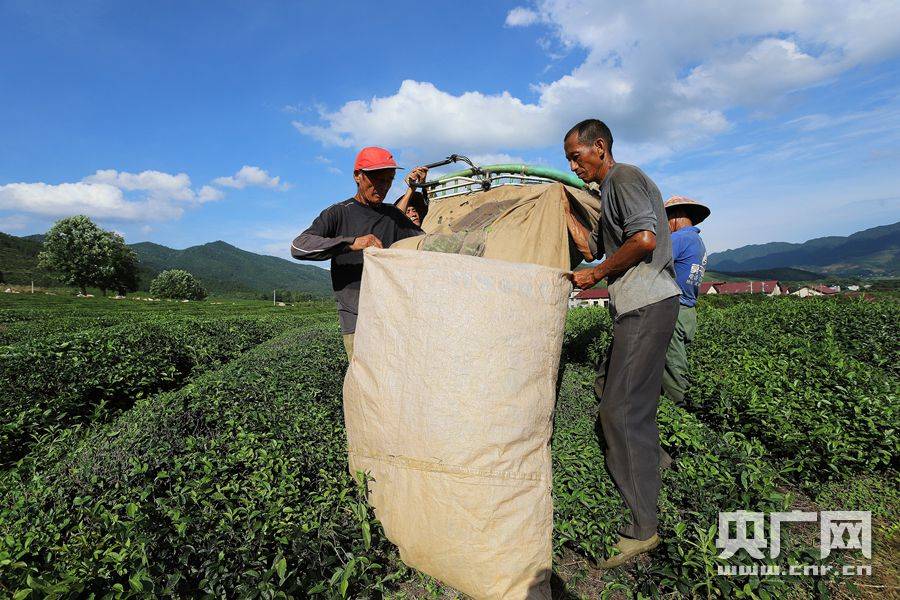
(330, 236)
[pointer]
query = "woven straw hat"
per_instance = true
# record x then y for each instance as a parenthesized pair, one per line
(696, 210)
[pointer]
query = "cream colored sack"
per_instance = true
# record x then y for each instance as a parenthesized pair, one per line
(448, 404)
(519, 223)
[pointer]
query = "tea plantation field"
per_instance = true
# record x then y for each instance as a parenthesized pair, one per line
(165, 449)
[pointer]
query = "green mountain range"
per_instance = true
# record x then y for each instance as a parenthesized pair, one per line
(872, 252)
(224, 269)
(221, 267)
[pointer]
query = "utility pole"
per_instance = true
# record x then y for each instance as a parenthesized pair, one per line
(273, 297)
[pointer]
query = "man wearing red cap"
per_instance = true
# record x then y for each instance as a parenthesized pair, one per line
(343, 230)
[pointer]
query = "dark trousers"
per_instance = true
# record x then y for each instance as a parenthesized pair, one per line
(629, 397)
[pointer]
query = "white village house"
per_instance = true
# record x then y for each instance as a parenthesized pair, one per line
(771, 287)
(814, 290)
(591, 297)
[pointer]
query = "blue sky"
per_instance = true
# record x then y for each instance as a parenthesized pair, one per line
(186, 122)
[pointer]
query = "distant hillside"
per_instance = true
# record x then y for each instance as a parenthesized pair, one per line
(18, 261)
(873, 252)
(221, 267)
(224, 268)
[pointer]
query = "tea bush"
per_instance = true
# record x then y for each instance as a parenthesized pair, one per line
(53, 384)
(234, 486)
(587, 335)
(31, 330)
(815, 381)
(866, 331)
(50, 308)
(823, 408)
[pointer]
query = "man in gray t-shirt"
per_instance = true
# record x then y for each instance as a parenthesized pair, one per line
(631, 204)
(633, 234)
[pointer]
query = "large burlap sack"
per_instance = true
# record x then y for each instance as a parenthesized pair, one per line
(448, 404)
(524, 223)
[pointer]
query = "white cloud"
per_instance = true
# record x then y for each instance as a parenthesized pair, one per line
(664, 79)
(176, 187)
(521, 17)
(815, 122)
(208, 194)
(110, 194)
(251, 176)
(276, 232)
(159, 186)
(752, 75)
(274, 238)
(124, 196)
(99, 200)
(419, 111)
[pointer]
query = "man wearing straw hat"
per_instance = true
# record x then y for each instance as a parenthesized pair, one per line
(689, 254)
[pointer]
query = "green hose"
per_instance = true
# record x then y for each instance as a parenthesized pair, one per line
(545, 172)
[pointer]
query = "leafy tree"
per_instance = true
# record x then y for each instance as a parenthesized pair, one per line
(84, 254)
(76, 249)
(119, 268)
(177, 284)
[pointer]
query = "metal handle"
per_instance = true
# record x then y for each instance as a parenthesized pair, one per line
(450, 159)
(441, 163)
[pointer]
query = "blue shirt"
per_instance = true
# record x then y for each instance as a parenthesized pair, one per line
(689, 254)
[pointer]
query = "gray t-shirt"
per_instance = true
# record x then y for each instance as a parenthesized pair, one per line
(631, 202)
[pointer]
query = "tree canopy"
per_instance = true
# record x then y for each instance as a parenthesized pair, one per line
(85, 255)
(177, 284)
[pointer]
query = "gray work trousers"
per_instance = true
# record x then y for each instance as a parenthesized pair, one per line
(629, 398)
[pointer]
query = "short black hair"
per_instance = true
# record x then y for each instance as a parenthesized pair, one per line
(590, 130)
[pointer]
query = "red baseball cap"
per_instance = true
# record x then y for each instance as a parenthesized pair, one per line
(373, 158)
